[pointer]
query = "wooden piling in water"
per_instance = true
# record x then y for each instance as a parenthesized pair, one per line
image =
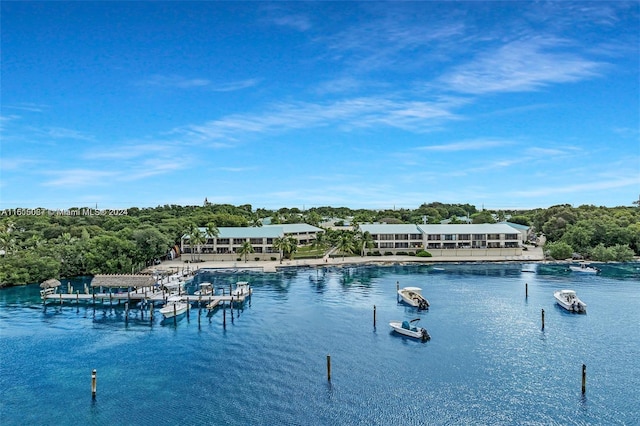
(224, 317)
(543, 319)
(584, 378)
(526, 290)
(329, 367)
(94, 383)
(374, 316)
(126, 312)
(151, 311)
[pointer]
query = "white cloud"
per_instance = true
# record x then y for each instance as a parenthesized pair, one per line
(522, 65)
(415, 116)
(80, 178)
(467, 145)
(178, 82)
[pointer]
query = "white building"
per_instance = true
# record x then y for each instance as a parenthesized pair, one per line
(229, 240)
(446, 240)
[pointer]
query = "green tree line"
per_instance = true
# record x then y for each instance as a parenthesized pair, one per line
(36, 247)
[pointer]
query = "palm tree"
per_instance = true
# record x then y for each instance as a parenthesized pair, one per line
(367, 242)
(346, 244)
(212, 232)
(280, 245)
(245, 250)
(320, 241)
(286, 245)
(292, 246)
(195, 239)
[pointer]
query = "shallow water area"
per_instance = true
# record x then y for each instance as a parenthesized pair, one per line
(488, 361)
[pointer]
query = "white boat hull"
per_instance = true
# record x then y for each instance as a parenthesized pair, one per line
(412, 296)
(568, 300)
(584, 269)
(174, 309)
(415, 332)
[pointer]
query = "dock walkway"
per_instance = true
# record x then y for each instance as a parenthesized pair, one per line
(148, 295)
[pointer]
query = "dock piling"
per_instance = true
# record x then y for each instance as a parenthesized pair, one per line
(543, 319)
(526, 290)
(374, 316)
(584, 378)
(329, 367)
(94, 383)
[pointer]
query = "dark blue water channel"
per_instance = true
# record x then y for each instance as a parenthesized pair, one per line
(488, 362)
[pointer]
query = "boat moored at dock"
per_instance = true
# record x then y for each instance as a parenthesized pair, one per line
(174, 307)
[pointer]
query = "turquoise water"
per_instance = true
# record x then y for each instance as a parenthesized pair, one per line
(488, 360)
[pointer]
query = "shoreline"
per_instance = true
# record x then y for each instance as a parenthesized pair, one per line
(532, 256)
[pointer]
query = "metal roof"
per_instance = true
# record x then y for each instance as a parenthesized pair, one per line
(122, 280)
(380, 228)
(439, 229)
(265, 231)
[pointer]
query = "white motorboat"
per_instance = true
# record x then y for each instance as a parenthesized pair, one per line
(174, 307)
(584, 268)
(412, 296)
(408, 328)
(206, 289)
(242, 289)
(570, 301)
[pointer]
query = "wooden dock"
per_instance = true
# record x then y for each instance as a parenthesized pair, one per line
(147, 295)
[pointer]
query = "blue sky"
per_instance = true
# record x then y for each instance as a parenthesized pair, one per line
(297, 104)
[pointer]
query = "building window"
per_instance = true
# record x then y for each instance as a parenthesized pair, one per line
(238, 240)
(223, 241)
(386, 245)
(493, 237)
(402, 245)
(464, 237)
(479, 237)
(401, 236)
(433, 237)
(386, 237)
(511, 236)
(255, 241)
(449, 237)
(416, 236)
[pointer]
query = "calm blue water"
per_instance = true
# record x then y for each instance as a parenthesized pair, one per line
(488, 361)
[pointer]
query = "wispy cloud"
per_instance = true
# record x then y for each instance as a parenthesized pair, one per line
(79, 178)
(129, 151)
(6, 119)
(30, 107)
(349, 114)
(298, 21)
(62, 133)
(178, 82)
(522, 65)
(589, 187)
(468, 145)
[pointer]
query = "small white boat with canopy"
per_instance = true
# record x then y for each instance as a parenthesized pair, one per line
(570, 301)
(242, 289)
(410, 329)
(412, 296)
(583, 267)
(174, 307)
(206, 289)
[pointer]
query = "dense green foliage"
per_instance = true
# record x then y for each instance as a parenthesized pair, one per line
(40, 244)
